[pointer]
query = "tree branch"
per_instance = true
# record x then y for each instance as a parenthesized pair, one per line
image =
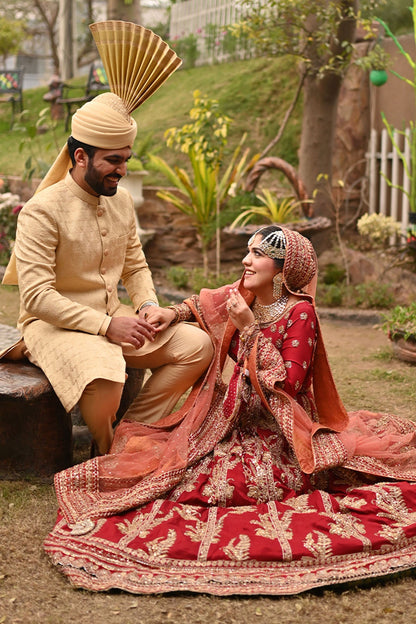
(286, 117)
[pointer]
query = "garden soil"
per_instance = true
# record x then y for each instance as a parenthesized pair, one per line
(32, 591)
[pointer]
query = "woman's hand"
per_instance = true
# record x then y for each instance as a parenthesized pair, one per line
(159, 318)
(238, 310)
(130, 329)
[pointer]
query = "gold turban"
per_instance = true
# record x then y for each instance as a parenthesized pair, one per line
(105, 123)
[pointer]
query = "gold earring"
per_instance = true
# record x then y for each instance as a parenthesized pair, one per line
(277, 286)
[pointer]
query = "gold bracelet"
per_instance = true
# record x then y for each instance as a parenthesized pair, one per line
(176, 311)
(246, 333)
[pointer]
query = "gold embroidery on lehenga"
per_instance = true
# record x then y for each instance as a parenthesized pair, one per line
(191, 476)
(346, 525)
(392, 505)
(210, 530)
(238, 548)
(218, 489)
(273, 527)
(160, 546)
(320, 546)
(141, 525)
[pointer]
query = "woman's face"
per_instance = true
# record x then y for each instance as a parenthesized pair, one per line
(259, 270)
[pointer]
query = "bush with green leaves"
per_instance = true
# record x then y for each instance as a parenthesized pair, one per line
(330, 295)
(401, 321)
(373, 295)
(178, 276)
(187, 49)
(271, 209)
(333, 274)
(35, 163)
(195, 280)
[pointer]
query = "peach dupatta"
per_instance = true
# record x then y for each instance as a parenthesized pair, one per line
(145, 461)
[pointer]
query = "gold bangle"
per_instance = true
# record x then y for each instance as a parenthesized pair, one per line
(246, 333)
(176, 319)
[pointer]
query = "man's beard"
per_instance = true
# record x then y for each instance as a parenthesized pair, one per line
(96, 183)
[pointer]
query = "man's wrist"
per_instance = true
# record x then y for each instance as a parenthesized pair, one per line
(145, 305)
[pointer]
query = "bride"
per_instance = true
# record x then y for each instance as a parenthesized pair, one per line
(261, 483)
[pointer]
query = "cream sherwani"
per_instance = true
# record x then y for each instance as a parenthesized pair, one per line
(72, 248)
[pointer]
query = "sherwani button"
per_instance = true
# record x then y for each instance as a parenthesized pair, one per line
(104, 232)
(99, 213)
(103, 270)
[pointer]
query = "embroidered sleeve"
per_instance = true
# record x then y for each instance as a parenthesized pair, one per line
(247, 338)
(298, 344)
(270, 364)
(285, 360)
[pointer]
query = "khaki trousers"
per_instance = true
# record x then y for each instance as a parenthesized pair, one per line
(175, 366)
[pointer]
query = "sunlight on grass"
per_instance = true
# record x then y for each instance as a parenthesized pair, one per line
(385, 355)
(388, 375)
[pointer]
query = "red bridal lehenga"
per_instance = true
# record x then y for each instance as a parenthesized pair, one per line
(243, 491)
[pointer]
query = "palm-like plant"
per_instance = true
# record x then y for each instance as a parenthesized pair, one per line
(202, 194)
(204, 191)
(273, 209)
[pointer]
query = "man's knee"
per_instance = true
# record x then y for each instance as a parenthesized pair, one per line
(194, 344)
(207, 349)
(102, 396)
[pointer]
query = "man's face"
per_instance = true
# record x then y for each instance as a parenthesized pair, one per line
(105, 169)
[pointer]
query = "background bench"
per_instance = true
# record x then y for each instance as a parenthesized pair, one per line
(97, 83)
(11, 90)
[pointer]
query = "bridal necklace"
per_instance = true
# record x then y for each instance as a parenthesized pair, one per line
(269, 313)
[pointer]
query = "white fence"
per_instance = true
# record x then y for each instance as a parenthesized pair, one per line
(384, 164)
(207, 20)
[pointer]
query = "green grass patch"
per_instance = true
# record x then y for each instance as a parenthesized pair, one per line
(254, 93)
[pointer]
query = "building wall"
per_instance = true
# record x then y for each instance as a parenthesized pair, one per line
(396, 98)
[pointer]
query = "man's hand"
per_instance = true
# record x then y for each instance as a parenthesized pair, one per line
(131, 329)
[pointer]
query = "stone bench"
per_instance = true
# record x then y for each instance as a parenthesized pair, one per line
(35, 429)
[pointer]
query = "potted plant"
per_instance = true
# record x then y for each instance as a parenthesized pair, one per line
(272, 209)
(400, 326)
(376, 62)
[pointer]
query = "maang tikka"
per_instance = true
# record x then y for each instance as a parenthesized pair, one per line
(277, 286)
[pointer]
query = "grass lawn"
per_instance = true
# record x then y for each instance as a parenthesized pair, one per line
(254, 93)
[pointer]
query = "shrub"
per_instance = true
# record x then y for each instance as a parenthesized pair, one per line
(333, 274)
(377, 228)
(178, 276)
(401, 320)
(331, 295)
(199, 281)
(10, 207)
(373, 295)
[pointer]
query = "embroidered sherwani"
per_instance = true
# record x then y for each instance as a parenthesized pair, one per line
(72, 248)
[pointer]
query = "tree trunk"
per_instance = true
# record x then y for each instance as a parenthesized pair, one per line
(320, 108)
(66, 39)
(125, 11)
(318, 127)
